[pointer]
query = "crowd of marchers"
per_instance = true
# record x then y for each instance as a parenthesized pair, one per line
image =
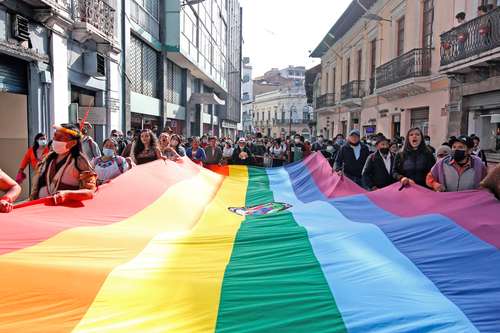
(71, 165)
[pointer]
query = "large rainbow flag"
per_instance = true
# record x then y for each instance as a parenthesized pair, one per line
(171, 247)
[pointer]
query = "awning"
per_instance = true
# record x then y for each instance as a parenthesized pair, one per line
(206, 98)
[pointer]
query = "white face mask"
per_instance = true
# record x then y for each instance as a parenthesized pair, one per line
(329, 149)
(60, 147)
(108, 152)
(42, 142)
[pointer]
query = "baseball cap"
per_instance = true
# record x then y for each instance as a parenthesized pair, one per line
(354, 132)
(466, 140)
(381, 138)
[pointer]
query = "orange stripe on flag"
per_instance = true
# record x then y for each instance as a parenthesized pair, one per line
(49, 287)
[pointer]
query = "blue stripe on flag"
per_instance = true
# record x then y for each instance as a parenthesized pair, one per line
(464, 268)
(377, 289)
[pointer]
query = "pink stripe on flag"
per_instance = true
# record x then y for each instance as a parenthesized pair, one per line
(327, 181)
(476, 211)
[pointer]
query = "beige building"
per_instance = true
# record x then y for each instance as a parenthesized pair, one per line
(381, 69)
(280, 112)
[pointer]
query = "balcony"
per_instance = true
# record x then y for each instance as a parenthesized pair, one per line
(352, 93)
(294, 121)
(405, 75)
(474, 43)
(94, 19)
(325, 100)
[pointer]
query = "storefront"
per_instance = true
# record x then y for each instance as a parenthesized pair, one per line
(369, 130)
(145, 112)
(229, 129)
(13, 114)
(140, 121)
(484, 119)
(175, 125)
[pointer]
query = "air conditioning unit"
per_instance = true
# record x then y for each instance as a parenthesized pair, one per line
(20, 28)
(94, 64)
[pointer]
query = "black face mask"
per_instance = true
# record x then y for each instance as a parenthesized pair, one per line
(459, 155)
(384, 151)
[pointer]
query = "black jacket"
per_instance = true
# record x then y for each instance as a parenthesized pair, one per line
(236, 156)
(318, 146)
(375, 173)
(347, 162)
(414, 164)
(482, 156)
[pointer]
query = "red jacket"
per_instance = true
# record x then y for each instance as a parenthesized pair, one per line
(30, 158)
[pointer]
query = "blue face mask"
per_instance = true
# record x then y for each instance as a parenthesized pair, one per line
(108, 152)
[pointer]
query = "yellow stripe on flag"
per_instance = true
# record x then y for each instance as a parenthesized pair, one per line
(49, 287)
(174, 285)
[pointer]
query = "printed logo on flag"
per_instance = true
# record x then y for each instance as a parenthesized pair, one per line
(263, 209)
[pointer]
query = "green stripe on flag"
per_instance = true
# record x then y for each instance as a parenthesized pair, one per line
(273, 282)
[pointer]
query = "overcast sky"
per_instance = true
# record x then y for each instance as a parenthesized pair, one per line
(278, 33)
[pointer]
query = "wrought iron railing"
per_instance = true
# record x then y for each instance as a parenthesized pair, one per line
(471, 38)
(294, 121)
(353, 89)
(325, 100)
(415, 63)
(97, 13)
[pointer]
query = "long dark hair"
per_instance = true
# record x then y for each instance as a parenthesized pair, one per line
(35, 143)
(422, 147)
(139, 146)
(179, 144)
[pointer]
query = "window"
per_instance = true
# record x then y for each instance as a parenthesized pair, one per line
(151, 6)
(348, 70)
(420, 119)
(143, 62)
(400, 46)
(360, 64)
(174, 83)
(334, 78)
(428, 22)
(327, 82)
(373, 57)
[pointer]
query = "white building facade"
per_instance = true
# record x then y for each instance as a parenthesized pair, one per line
(282, 112)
